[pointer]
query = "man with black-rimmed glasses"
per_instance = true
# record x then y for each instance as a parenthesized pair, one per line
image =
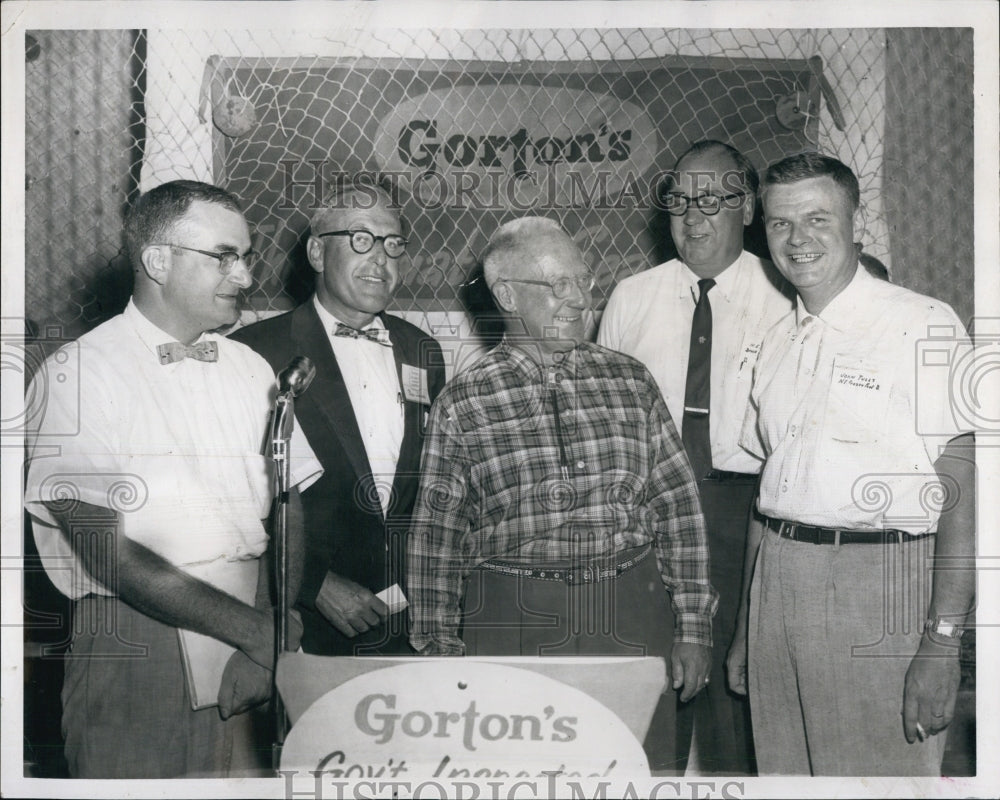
(376, 376)
(697, 322)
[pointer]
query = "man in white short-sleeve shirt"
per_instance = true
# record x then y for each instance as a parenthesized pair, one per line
(148, 493)
(868, 481)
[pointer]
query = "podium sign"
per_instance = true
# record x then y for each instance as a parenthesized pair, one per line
(448, 718)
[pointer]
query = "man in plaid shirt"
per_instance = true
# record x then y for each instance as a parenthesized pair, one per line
(557, 512)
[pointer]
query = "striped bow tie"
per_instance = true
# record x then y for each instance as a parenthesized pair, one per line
(175, 351)
(377, 335)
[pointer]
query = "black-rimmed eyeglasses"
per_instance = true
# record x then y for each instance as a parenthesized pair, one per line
(227, 258)
(561, 287)
(708, 204)
(363, 241)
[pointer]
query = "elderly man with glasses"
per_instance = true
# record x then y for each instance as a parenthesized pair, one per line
(697, 323)
(148, 493)
(376, 376)
(557, 513)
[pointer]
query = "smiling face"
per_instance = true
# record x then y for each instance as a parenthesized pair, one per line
(196, 297)
(354, 287)
(550, 324)
(710, 243)
(811, 229)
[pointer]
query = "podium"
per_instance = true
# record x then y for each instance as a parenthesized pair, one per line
(476, 718)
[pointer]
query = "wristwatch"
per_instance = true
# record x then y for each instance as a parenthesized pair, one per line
(940, 627)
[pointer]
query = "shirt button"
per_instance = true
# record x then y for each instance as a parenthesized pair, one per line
(559, 377)
(580, 465)
(784, 488)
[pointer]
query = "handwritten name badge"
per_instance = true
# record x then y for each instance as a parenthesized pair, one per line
(415, 385)
(859, 398)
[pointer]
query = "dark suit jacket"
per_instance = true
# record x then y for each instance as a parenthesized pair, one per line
(346, 531)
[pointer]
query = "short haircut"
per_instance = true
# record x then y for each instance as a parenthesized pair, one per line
(358, 191)
(152, 217)
(803, 166)
(511, 243)
(744, 166)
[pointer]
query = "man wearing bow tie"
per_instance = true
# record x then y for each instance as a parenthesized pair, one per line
(376, 376)
(148, 493)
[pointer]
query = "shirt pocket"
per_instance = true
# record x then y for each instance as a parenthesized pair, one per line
(858, 400)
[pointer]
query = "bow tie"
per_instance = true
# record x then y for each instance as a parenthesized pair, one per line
(175, 351)
(377, 335)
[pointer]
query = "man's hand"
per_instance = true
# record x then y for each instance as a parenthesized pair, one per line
(245, 684)
(689, 665)
(348, 606)
(930, 690)
(736, 661)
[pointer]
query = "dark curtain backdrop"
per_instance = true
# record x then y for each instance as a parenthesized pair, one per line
(928, 167)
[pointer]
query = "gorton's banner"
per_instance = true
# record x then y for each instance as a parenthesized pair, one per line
(469, 145)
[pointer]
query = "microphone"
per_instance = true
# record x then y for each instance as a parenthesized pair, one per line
(296, 377)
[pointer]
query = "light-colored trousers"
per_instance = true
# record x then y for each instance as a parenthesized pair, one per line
(832, 631)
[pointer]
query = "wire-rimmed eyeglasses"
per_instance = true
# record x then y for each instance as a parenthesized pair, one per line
(363, 241)
(561, 287)
(227, 258)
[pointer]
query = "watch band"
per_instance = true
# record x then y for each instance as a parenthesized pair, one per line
(940, 627)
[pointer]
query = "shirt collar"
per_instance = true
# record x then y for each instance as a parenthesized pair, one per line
(149, 334)
(526, 366)
(848, 309)
(726, 282)
(330, 321)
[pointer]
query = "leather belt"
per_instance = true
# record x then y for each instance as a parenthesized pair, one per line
(722, 476)
(591, 573)
(816, 535)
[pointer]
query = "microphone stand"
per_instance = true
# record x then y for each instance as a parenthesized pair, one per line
(281, 433)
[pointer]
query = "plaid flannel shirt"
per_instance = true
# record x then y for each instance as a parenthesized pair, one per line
(492, 484)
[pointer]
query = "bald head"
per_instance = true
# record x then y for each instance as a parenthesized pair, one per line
(519, 247)
(342, 201)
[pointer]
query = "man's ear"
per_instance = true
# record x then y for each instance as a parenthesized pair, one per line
(749, 205)
(314, 252)
(156, 263)
(859, 225)
(504, 296)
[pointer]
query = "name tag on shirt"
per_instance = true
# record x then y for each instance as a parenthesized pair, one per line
(415, 384)
(748, 358)
(859, 396)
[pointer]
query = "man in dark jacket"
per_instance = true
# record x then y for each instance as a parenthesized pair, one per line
(376, 376)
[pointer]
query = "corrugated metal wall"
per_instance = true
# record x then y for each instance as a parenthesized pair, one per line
(83, 130)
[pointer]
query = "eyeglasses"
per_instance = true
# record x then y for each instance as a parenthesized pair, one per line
(707, 204)
(561, 287)
(227, 258)
(363, 241)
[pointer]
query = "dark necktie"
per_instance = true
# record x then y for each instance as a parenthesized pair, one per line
(697, 390)
(377, 335)
(175, 351)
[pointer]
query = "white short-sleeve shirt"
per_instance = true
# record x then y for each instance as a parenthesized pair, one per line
(175, 449)
(649, 317)
(852, 407)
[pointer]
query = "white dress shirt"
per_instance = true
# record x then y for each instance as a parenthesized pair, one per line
(369, 371)
(649, 317)
(852, 406)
